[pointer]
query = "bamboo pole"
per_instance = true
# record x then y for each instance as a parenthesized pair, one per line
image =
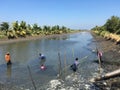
(31, 77)
(73, 53)
(99, 61)
(65, 71)
(60, 68)
(99, 65)
(107, 76)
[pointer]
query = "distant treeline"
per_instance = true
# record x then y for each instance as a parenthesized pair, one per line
(110, 30)
(112, 25)
(21, 29)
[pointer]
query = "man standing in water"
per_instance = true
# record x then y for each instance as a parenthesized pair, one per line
(99, 55)
(8, 58)
(42, 57)
(42, 61)
(74, 66)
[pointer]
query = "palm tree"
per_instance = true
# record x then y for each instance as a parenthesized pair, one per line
(15, 26)
(4, 26)
(35, 27)
(23, 25)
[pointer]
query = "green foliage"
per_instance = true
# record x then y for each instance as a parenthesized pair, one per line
(15, 26)
(28, 32)
(21, 33)
(35, 27)
(11, 34)
(23, 25)
(2, 34)
(110, 30)
(112, 25)
(4, 26)
(102, 33)
(22, 30)
(118, 31)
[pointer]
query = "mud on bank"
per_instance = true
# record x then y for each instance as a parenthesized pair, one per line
(111, 62)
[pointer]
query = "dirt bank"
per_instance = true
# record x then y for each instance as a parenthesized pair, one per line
(111, 62)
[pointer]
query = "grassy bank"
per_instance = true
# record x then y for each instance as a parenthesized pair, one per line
(109, 36)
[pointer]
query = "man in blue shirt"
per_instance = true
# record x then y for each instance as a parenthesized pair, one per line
(42, 56)
(74, 66)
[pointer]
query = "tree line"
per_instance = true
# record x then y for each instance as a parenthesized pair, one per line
(22, 29)
(112, 25)
(110, 30)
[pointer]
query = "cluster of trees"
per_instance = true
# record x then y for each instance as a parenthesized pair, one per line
(22, 29)
(112, 25)
(110, 30)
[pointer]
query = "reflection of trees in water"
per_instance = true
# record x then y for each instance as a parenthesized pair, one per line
(64, 37)
(9, 71)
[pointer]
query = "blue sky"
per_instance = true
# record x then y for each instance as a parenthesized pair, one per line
(74, 14)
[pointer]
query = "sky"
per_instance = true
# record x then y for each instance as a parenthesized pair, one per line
(74, 14)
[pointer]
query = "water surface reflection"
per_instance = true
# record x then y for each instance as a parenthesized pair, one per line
(9, 70)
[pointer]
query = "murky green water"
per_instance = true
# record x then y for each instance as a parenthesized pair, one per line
(26, 53)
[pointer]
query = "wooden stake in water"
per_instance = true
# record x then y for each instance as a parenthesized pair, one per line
(99, 65)
(99, 60)
(65, 71)
(73, 53)
(31, 78)
(60, 69)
